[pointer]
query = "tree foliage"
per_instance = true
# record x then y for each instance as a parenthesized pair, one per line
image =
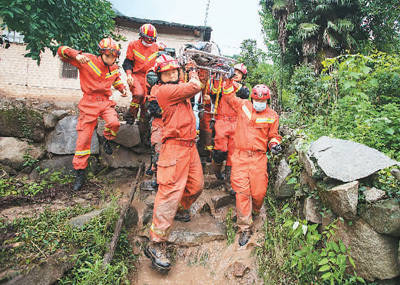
(310, 31)
(356, 97)
(47, 23)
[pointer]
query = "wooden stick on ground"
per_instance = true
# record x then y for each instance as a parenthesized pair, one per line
(113, 244)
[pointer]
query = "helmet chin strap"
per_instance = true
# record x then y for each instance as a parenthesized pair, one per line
(106, 64)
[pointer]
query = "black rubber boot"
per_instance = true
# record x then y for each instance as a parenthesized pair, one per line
(107, 147)
(228, 186)
(182, 215)
(244, 238)
(157, 252)
(217, 167)
(80, 178)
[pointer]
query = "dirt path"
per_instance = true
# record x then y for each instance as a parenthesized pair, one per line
(199, 248)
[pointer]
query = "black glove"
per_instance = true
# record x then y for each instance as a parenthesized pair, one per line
(154, 109)
(243, 92)
(276, 149)
(212, 124)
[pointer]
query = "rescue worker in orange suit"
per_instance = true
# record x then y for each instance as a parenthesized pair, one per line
(179, 173)
(97, 74)
(140, 57)
(225, 125)
(256, 131)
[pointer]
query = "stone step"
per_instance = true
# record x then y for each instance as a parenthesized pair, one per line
(201, 229)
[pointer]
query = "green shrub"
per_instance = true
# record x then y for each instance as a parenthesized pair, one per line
(300, 254)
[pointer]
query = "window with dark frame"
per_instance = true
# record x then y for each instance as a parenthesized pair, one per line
(68, 70)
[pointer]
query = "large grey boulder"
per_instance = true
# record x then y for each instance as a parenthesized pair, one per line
(50, 119)
(122, 157)
(62, 140)
(281, 188)
(346, 160)
(14, 152)
(342, 199)
(375, 255)
(20, 120)
(127, 136)
(384, 217)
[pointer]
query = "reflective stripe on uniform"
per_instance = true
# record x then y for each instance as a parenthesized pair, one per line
(116, 83)
(246, 111)
(94, 67)
(133, 104)
(62, 51)
(209, 147)
(138, 54)
(82, 152)
(108, 75)
(264, 120)
(229, 90)
(152, 56)
(110, 131)
(158, 232)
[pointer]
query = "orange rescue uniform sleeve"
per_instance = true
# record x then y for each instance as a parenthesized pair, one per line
(175, 93)
(68, 54)
(118, 83)
(235, 102)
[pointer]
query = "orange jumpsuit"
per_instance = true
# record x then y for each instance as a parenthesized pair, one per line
(255, 132)
(143, 59)
(225, 123)
(96, 80)
(179, 170)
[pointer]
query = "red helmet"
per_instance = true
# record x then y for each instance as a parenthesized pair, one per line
(260, 92)
(109, 46)
(148, 32)
(165, 62)
(242, 68)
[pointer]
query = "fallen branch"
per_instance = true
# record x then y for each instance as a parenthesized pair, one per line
(117, 231)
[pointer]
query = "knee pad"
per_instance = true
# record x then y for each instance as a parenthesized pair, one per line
(219, 156)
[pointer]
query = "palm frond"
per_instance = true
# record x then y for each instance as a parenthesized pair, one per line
(307, 30)
(329, 39)
(323, 7)
(344, 25)
(280, 5)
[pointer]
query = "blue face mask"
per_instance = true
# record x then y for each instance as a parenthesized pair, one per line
(259, 106)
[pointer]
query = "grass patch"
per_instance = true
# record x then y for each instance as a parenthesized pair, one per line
(295, 252)
(27, 241)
